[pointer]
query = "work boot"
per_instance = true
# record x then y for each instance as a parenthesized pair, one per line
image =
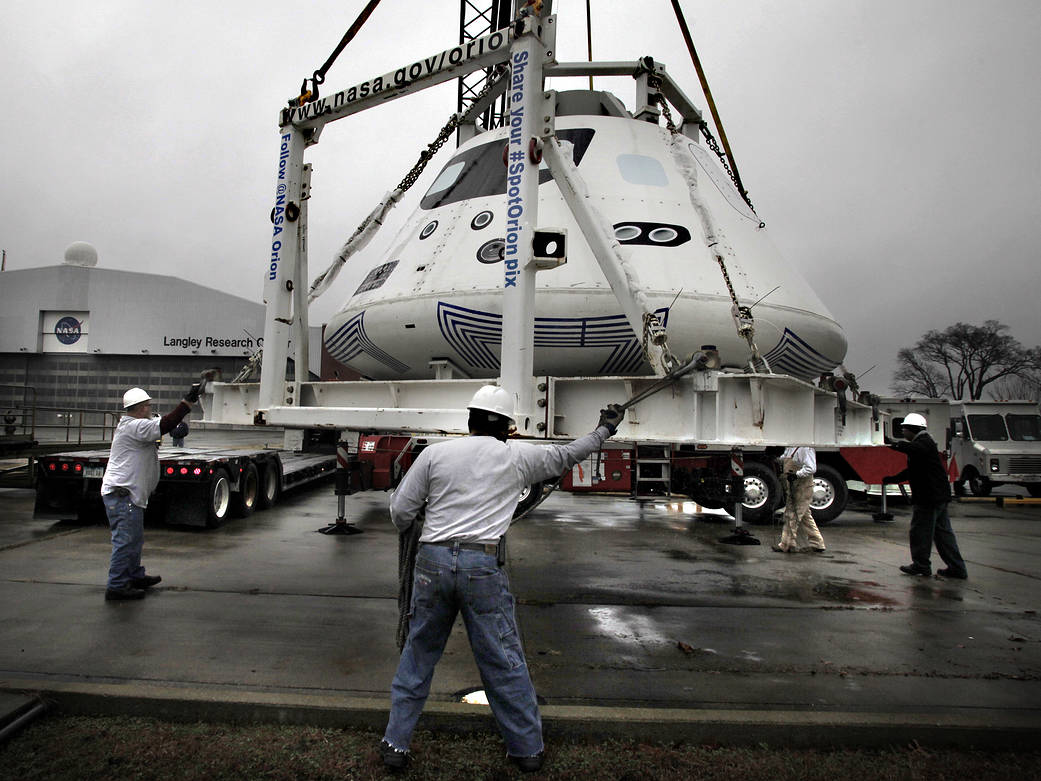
(947, 572)
(528, 764)
(125, 593)
(394, 759)
(146, 581)
(914, 569)
(779, 549)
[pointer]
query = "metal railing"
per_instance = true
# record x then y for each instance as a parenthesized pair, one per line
(27, 419)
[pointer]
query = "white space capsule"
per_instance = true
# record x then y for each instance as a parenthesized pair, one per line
(437, 293)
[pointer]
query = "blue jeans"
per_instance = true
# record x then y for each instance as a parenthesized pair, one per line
(449, 581)
(126, 521)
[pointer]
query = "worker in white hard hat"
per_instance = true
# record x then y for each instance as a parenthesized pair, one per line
(930, 494)
(470, 487)
(130, 477)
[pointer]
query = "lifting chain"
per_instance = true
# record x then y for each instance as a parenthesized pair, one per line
(453, 122)
(742, 314)
(427, 154)
(653, 82)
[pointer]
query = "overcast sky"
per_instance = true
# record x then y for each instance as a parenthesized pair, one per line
(891, 146)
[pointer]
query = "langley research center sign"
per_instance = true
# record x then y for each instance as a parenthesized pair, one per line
(195, 343)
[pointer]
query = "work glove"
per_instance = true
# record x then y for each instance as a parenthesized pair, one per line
(192, 396)
(611, 417)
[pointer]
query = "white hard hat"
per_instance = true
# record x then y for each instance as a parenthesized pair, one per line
(914, 419)
(134, 396)
(492, 398)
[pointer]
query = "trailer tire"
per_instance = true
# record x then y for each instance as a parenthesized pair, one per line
(829, 495)
(762, 494)
(270, 481)
(244, 501)
(217, 498)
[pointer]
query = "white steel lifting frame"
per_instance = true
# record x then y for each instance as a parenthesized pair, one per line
(711, 408)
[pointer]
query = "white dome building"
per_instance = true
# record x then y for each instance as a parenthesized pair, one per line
(80, 253)
(75, 336)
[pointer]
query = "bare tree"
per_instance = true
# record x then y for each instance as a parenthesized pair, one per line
(1015, 389)
(963, 360)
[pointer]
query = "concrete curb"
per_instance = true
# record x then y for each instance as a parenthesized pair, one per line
(984, 728)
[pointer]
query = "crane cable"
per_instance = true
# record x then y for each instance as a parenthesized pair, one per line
(711, 103)
(318, 77)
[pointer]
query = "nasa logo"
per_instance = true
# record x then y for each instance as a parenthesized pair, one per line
(68, 330)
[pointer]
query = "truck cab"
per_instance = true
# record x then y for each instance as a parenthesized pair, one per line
(996, 443)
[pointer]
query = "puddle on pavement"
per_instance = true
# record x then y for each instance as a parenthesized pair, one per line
(805, 590)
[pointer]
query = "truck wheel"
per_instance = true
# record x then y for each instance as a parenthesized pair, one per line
(218, 499)
(531, 497)
(244, 502)
(829, 495)
(979, 485)
(762, 493)
(270, 477)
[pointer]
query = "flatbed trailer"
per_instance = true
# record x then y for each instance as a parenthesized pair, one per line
(197, 486)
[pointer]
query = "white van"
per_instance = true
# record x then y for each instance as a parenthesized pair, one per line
(996, 443)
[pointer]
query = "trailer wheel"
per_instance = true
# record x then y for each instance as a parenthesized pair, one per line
(762, 493)
(270, 476)
(829, 495)
(244, 502)
(978, 484)
(218, 499)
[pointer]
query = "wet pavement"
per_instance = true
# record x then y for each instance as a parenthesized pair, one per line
(634, 617)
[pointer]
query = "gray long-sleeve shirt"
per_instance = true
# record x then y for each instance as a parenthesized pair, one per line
(133, 463)
(471, 485)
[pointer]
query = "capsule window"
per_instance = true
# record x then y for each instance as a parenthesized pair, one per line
(447, 177)
(428, 229)
(655, 234)
(662, 235)
(481, 220)
(640, 169)
(626, 232)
